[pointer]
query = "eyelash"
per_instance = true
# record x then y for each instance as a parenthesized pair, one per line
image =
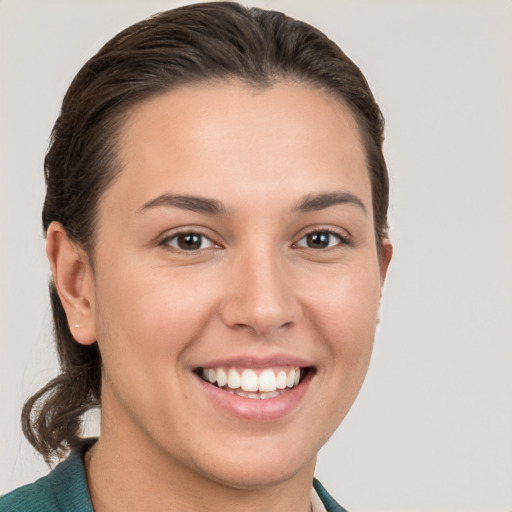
(341, 240)
(166, 242)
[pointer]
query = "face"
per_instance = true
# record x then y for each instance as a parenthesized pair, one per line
(236, 280)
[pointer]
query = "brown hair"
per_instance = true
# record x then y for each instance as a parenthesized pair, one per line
(195, 43)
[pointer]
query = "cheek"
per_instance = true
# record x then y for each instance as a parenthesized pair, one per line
(150, 316)
(146, 323)
(346, 310)
(345, 314)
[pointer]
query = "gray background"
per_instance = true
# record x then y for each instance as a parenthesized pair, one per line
(432, 428)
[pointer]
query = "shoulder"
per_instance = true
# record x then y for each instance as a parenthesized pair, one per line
(31, 497)
(330, 504)
(64, 489)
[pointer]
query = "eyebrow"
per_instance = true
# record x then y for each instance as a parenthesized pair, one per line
(309, 203)
(186, 202)
(316, 202)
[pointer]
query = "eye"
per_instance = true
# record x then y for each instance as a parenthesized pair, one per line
(189, 241)
(320, 240)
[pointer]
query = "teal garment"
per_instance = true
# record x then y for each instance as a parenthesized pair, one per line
(65, 490)
(329, 502)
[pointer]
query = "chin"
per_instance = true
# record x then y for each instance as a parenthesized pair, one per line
(254, 468)
(261, 475)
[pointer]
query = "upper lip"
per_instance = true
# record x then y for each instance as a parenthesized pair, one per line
(251, 361)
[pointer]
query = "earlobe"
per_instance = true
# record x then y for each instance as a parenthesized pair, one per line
(72, 275)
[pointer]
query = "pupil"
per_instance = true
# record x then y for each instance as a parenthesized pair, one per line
(190, 241)
(318, 240)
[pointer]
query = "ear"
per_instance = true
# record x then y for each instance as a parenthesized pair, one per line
(73, 278)
(385, 259)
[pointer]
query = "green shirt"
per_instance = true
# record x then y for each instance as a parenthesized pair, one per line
(65, 490)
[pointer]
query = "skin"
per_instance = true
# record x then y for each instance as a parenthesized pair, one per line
(255, 288)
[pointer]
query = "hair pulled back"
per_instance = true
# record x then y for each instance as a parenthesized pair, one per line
(191, 44)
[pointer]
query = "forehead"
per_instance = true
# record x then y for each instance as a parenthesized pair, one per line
(221, 138)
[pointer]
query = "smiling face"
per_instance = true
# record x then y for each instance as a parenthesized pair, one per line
(235, 255)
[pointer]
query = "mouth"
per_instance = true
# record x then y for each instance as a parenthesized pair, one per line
(255, 384)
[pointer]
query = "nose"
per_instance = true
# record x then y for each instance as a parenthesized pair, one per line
(260, 295)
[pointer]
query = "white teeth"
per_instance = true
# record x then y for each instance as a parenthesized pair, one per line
(249, 384)
(267, 381)
(281, 380)
(222, 378)
(249, 380)
(272, 394)
(233, 379)
(290, 378)
(256, 396)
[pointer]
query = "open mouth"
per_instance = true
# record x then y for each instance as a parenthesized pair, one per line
(258, 384)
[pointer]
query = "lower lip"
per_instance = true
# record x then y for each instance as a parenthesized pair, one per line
(269, 409)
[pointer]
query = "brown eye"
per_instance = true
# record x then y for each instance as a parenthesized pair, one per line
(189, 241)
(319, 240)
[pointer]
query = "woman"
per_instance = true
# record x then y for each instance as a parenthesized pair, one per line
(216, 222)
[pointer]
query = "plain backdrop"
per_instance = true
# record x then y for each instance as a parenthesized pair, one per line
(432, 427)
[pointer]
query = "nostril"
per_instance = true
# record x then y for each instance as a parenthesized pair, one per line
(262, 325)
